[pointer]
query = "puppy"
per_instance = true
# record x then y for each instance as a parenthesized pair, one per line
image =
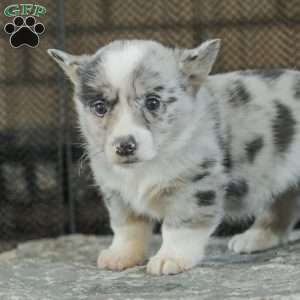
(168, 142)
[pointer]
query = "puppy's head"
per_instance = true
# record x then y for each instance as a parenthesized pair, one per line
(134, 97)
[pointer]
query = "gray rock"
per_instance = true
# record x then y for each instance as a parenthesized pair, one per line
(64, 269)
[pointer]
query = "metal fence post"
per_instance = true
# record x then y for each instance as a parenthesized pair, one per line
(65, 125)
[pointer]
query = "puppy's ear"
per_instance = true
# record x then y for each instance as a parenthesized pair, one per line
(69, 63)
(197, 63)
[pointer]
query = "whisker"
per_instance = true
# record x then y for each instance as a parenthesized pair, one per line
(86, 156)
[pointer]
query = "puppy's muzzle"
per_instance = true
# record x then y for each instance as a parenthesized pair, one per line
(125, 146)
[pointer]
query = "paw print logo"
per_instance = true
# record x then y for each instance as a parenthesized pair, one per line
(24, 32)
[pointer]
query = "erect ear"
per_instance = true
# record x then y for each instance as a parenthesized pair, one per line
(197, 63)
(69, 63)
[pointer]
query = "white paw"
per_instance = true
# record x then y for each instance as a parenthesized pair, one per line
(253, 240)
(118, 260)
(167, 265)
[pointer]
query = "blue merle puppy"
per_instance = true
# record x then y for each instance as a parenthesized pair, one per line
(168, 142)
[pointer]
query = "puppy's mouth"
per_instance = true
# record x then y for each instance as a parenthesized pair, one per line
(128, 162)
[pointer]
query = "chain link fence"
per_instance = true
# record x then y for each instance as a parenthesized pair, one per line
(42, 193)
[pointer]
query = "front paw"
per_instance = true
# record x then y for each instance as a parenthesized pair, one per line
(118, 260)
(167, 265)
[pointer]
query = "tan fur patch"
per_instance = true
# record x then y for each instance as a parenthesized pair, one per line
(157, 195)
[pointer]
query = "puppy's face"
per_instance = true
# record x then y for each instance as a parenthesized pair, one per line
(135, 97)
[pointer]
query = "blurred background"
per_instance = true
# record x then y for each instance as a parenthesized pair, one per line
(42, 192)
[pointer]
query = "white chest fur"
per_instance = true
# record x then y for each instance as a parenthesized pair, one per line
(142, 189)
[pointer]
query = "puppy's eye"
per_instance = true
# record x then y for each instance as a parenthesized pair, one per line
(152, 102)
(99, 108)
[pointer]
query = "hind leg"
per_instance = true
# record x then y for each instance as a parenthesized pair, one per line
(272, 227)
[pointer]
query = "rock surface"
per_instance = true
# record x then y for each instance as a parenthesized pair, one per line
(64, 268)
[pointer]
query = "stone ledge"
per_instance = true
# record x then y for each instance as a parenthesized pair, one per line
(64, 269)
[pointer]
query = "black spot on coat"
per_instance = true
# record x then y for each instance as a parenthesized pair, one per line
(205, 198)
(270, 74)
(158, 88)
(238, 188)
(209, 163)
(227, 156)
(283, 127)
(296, 87)
(234, 193)
(238, 93)
(227, 161)
(200, 176)
(253, 148)
(171, 99)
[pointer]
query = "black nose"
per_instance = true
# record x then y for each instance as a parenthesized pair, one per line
(126, 146)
